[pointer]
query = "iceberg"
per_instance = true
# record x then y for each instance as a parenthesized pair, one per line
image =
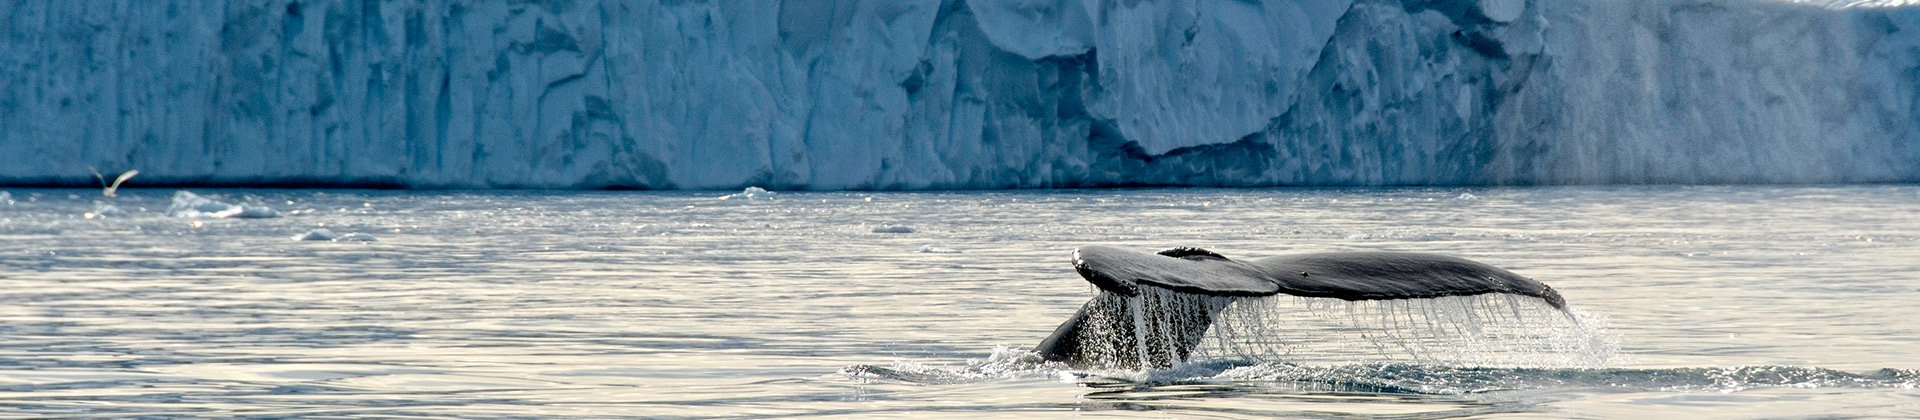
(937, 94)
(750, 193)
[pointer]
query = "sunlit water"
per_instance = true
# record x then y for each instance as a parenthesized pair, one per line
(1718, 301)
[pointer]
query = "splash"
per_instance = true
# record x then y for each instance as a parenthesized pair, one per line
(1402, 378)
(1005, 363)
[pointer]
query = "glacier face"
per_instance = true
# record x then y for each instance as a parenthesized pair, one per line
(957, 93)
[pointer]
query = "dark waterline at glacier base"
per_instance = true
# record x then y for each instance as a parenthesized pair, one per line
(1743, 301)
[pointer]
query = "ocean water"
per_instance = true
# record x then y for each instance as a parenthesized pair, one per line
(1734, 301)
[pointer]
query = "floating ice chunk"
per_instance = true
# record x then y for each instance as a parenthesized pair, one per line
(749, 194)
(1466, 197)
(930, 249)
(356, 237)
(255, 212)
(893, 229)
(323, 234)
(102, 210)
(315, 235)
(6, 198)
(188, 204)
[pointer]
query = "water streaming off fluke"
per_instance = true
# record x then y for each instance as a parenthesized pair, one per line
(1160, 328)
(1479, 330)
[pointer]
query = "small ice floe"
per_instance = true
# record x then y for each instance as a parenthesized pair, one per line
(315, 235)
(893, 229)
(6, 198)
(1466, 197)
(930, 249)
(102, 210)
(327, 235)
(749, 194)
(187, 204)
(356, 237)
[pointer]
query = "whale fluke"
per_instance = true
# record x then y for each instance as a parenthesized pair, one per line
(1153, 309)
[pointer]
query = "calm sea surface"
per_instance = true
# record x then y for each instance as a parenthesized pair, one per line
(1705, 302)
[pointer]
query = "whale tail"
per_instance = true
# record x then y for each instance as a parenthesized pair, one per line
(1154, 309)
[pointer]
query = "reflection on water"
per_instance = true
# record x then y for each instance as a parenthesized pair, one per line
(476, 304)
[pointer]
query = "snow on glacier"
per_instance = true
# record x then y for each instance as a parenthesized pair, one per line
(958, 94)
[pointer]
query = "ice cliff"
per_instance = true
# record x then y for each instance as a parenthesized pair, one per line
(957, 93)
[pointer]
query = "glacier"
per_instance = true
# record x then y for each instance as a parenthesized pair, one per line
(939, 94)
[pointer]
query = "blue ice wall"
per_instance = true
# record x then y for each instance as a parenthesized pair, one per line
(820, 94)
